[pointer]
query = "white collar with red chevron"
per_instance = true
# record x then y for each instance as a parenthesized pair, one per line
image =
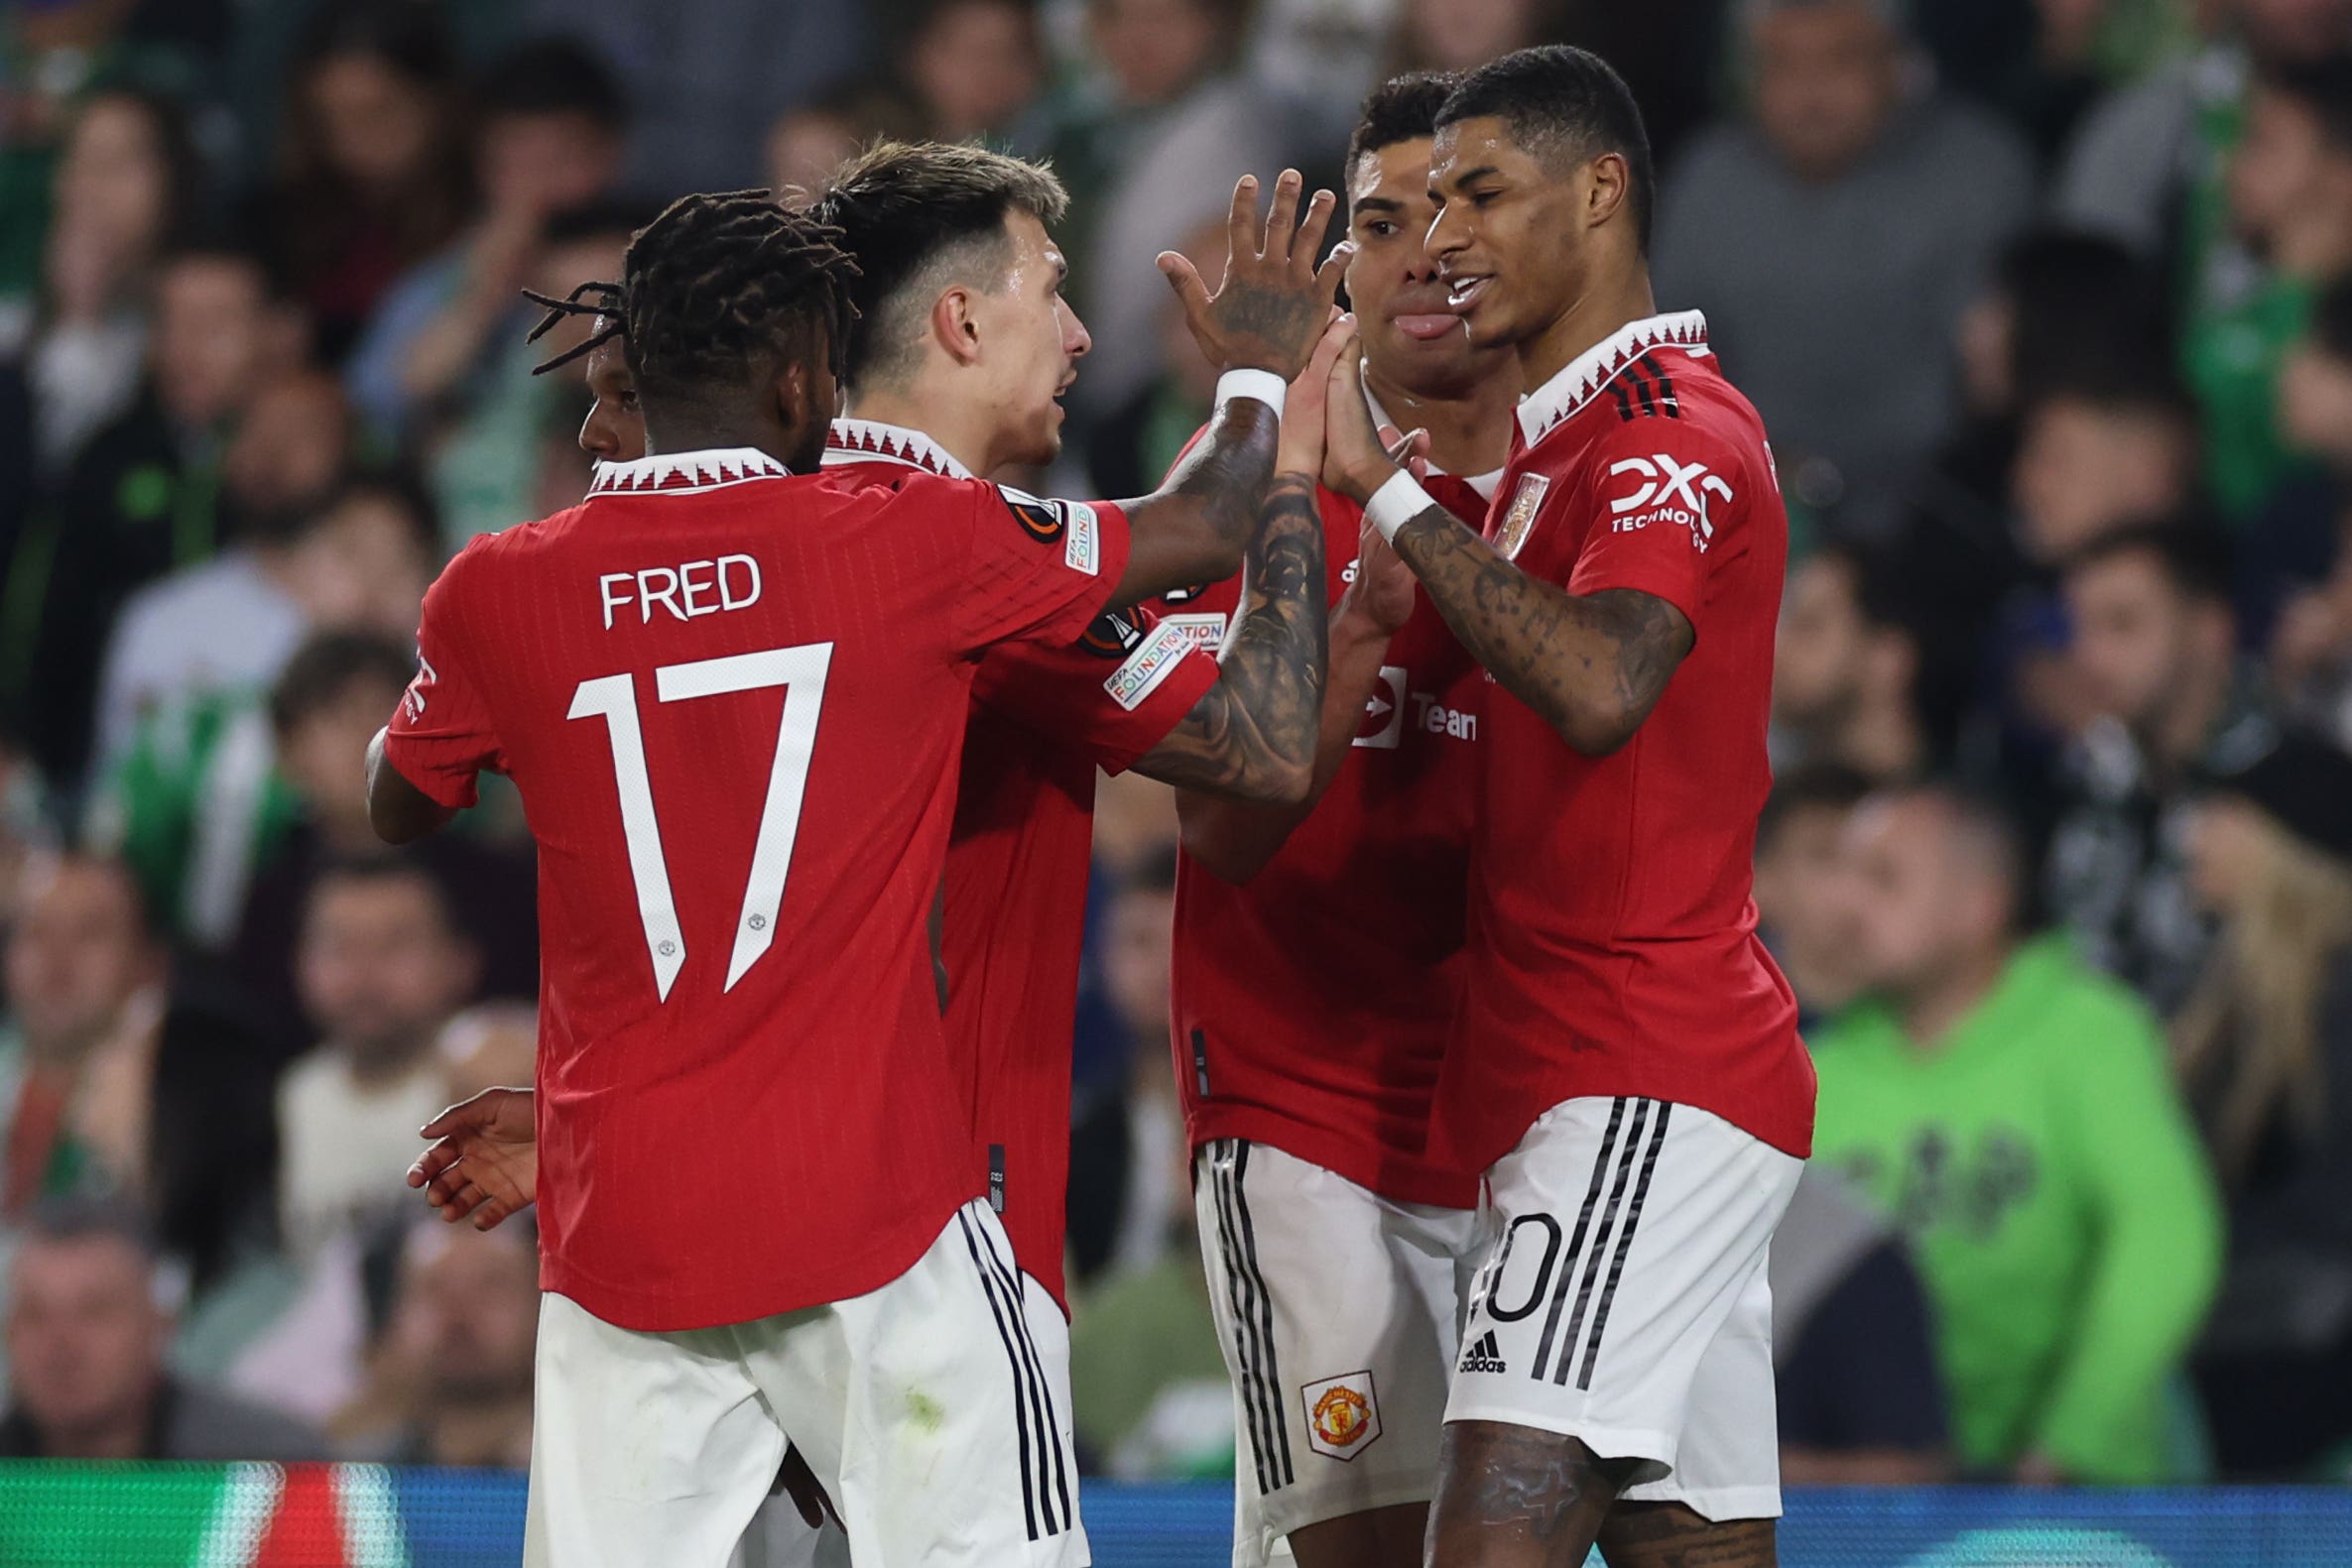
(872, 442)
(1557, 400)
(686, 473)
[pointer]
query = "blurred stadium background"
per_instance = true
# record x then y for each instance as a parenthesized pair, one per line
(2048, 304)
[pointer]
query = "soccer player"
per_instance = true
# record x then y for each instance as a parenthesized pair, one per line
(760, 1223)
(1625, 1067)
(1316, 962)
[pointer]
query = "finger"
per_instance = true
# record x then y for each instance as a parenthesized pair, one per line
(1307, 243)
(430, 1163)
(1315, 378)
(1275, 246)
(461, 1203)
(1184, 278)
(492, 1213)
(462, 1117)
(1327, 277)
(1241, 223)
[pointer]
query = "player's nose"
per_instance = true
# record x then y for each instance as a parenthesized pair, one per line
(1076, 341)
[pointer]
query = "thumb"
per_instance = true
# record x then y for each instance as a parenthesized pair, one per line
(1184, 278)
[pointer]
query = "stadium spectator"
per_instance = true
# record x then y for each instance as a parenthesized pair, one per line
(2290, 196)
(1800, 872)
(2146, 163)
(2097, 457)
(974, 69)
(228, 622)
(2294, 577)
(1138, 1166)
(1861, 1398)
(57, 57)
(2154, 643)
(1833, 242)
(372, 176)
(548, 139)
(195, 803)
(333, 695)
(1138, 442)
(707, 80)
(142, 498)
(453, 1369)
(89, 1320)
(383, 965)
(127, 183)
(1148, 148)
(810, 140)
(2009, 1111)
(2266, 1055)
(109, 1085)
(1846, 670)
(1149, 1393)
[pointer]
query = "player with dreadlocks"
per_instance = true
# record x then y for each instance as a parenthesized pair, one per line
(731, 697)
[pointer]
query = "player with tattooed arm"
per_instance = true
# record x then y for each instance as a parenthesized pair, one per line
(1626, 1066)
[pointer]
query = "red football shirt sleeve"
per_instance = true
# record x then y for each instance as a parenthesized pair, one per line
(1117, 691)
(1038, 569)
(1668, 504)
(442, 735)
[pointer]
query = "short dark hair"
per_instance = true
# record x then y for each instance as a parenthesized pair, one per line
(374, 868)
(1822, 785)
(2331, 321)
(75, 1218)
(1561, 99)
(720, 289)
(2193, 555)
(1155, 870)
(2087, 313)
(2323, 89)
(1881, 593)
(329, 663)
(1990, 820)
(553, 74)
(1400, 109)
(912, 213)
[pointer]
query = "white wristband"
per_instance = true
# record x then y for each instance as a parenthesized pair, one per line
(1263, 385)
(1395, 502)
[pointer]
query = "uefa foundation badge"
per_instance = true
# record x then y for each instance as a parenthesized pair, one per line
(1342, 1416)
(1525, 502)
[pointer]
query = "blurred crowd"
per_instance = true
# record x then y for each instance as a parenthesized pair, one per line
(2047, 306)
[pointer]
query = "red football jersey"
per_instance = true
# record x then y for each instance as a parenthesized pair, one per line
(1613, 946)
(1042, 720)
(734, 702)
(1312, 1004)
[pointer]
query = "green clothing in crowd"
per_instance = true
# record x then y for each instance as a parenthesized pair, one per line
(2059, 1204)
(2234, 359)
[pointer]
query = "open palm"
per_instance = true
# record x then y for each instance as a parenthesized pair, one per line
(484, 1160)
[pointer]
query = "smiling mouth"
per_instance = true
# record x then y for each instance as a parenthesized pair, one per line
(1466, 291)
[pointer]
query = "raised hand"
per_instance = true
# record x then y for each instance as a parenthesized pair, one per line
(1355, 460)
(1301, 450)
(1274, 301)
(484, 1161)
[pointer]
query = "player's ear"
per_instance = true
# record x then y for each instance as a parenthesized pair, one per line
(1607, 183)
(954, 327)
(795, 396)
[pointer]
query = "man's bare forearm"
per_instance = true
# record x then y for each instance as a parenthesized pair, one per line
(1252, 736)
(1234, 839)
(1592, 665)
(399, 813)
(1197, 527)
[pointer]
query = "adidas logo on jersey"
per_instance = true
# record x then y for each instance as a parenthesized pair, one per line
(1484, 1355)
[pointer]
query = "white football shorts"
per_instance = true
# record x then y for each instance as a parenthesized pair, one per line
(1623, 1300)
(1338, 1311)
(925, 1407)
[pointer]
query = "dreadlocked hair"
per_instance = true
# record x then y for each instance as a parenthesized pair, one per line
(589, 298)
(719, 283)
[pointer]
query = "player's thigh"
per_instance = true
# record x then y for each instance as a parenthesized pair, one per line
(1336, 1312)
(645, 1447)
(1514, 1497)
(929, 1413)
(1728, 1468)
(1627, 1232)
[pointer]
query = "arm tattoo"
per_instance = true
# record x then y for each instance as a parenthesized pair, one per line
(1592, 665)
(1252, 736)
(1195, 527)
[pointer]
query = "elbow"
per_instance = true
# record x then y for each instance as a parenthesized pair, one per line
(1284, 780)
(1593, 732)
(1220, 853)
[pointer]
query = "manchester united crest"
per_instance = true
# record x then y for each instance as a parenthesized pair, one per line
(1342, 1415)
(1519, 520)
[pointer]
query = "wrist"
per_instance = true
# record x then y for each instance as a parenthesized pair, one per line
(1353, 622)
(1394, 501)
(1247, 381)
(1364, 481)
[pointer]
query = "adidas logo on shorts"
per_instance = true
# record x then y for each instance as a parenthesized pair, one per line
(1484, 1355)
